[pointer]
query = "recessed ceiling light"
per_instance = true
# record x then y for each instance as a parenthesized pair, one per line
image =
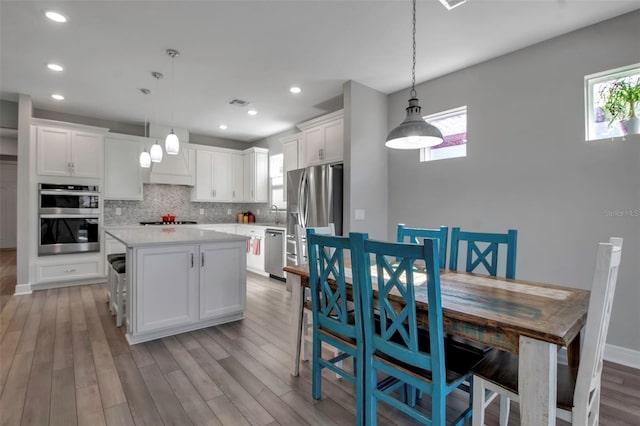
(222, 127)
(451, 4)
(57, 97)
(252, 112)
(55, 67)
(55, 16)
(295, 89)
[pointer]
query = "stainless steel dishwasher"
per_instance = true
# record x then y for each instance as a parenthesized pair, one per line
(274, 253)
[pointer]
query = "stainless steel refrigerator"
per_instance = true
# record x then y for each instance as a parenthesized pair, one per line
(314, 198)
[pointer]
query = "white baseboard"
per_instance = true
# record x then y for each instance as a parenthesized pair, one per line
(624, 356)
(22, 289)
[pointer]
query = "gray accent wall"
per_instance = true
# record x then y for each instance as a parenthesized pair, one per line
(528, 166)
(136, 129)
(8, 114)
(365, 160)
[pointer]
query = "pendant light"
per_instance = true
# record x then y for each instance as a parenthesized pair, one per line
(172, 144)
(414, 132)
(145, 158)
(156, 149)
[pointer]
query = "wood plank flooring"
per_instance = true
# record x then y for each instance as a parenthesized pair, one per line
(63, 362)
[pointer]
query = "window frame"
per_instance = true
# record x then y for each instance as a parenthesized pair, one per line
(425, 153)
(597, 78)
(283, 204)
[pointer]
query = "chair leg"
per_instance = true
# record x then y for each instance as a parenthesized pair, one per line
(505, 407)
(111, 286)
(371, 402)
(360, 399)
(316, 370)
(478, 402)
(119, 298)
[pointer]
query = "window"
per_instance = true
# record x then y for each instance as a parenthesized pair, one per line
(276, 178)
(453, 125)
(598, 122)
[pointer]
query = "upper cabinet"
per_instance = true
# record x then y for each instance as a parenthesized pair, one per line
(256, 174)
(122, 173)
(225, 175)
(322, 140)
(175, 169)
(290, 152)
(70, 151)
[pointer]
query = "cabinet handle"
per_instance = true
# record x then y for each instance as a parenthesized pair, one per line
(252, 193)
(192, 260)
(70, 270)
(321, 153)
(201, 259)
(234, 194)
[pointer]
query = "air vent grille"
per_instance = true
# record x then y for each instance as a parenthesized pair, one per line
(238, 102)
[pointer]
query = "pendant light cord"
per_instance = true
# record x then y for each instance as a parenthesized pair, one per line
(413, 68)
(173, 86)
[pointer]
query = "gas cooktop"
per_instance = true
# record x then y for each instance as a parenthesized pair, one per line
(177, 222)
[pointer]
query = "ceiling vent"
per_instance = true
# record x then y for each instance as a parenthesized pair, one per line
(238, 102)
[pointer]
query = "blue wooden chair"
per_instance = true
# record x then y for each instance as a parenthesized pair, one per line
(415, 235)
(486, 256)
(333, 320)
(392, 342)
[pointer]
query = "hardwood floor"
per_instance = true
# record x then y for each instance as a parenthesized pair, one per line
(63, 362)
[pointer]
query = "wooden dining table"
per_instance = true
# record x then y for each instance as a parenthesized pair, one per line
(531, 319)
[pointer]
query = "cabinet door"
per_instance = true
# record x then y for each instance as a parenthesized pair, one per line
(333, 142)
(204, 176)
(237, 172)
(222, 279)
(221, 176)
(313, 146)
(53, 149)
(122, 175)
(249, 176)
(167, 285)
(87, 151)
(290, 160)
(261, 177)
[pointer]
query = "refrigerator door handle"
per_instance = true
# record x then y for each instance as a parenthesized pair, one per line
(302, 200)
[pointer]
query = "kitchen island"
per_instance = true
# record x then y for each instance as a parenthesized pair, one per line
(180, 279)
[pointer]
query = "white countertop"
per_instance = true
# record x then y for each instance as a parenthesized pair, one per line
(159, 235)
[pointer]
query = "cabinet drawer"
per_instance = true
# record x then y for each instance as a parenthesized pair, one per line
(71, 271)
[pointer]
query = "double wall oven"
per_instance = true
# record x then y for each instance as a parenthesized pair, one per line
(69, 219)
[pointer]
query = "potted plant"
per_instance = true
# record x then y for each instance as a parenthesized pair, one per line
(620, 100)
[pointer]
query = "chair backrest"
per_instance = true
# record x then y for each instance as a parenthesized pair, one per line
(397, 335)
(486, 256)
(598, 315)
(416, 235)
(329, 302)
(301, 247)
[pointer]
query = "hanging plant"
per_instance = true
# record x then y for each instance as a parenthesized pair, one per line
(621, 98)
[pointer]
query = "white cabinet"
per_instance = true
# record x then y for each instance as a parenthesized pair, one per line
(67, 269)
(255, 246)
(256, 173)
(64, 151)
(220, 266)
(237, 178)
(213, 176)
(122, 174)
(323, 140)
(175, 169)
(290, 150)
(166, 286)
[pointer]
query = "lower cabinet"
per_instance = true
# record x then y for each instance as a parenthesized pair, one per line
(220, 267)
(166, 286)
(67, 269)
(185, 287)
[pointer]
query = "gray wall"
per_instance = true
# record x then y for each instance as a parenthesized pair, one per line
(135, 129)
(273, 142)
(528, 166)
(365, 160)
(219, 142)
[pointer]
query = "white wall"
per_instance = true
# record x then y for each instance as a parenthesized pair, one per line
(8, 146)
(365, 160)
(529, 167)
(8, 203)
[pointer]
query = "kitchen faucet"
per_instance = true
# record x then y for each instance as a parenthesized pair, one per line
(273, 206)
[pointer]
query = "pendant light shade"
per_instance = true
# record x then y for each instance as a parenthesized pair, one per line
(156, 152)
(145, 160)
(414, 132)
(172, 144)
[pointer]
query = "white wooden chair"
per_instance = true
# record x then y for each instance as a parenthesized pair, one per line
(306, 343)
(578, 392)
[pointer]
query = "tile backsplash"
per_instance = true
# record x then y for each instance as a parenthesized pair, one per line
(175, 199)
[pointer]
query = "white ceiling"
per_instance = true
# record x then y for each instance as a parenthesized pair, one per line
(255, 50)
